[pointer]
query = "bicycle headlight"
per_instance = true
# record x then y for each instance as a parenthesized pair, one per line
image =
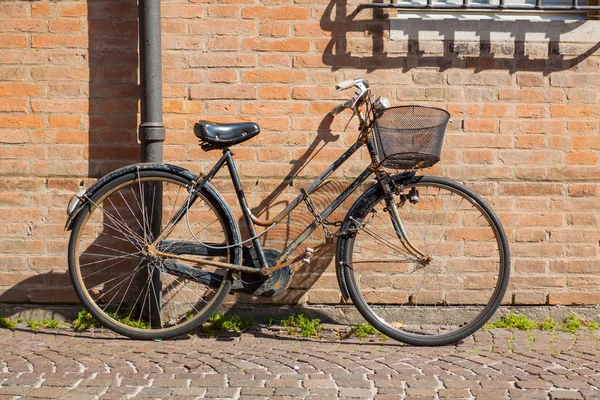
(381, 103)
(75, 201)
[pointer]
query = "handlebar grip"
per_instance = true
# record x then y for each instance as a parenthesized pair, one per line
(345, 85)
(338, 109)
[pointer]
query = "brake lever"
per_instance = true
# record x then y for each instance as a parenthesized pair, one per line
(350, 120)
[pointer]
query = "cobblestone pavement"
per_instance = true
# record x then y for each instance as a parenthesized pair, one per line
(496, 364)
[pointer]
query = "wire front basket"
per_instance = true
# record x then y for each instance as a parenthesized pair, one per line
(410, 137)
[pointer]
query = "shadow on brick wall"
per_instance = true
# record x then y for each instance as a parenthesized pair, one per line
(113, 88)
(113, 93)
(489, 45)
(324, 136)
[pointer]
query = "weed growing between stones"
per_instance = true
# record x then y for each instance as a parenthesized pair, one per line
(37, 324)
(298, 324)
(7, 323)
(572, 323)
(227, 322)
(362, 331)
(85, 321)
(514, 321)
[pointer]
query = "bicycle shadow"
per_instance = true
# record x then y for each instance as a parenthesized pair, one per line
(510, 53)
(310, 275)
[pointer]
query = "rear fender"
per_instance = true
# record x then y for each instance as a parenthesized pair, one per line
(116, 174)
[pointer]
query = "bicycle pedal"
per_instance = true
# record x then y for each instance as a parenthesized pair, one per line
(329, 240)
(308, 253)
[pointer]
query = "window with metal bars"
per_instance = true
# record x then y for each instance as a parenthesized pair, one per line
(534, 6)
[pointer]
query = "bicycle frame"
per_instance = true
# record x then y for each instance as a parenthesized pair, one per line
(251, 220)
(227, 158)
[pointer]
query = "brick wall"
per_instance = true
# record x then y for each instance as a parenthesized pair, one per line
(524, 133)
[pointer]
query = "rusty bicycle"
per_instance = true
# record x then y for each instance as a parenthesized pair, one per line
(155, 249)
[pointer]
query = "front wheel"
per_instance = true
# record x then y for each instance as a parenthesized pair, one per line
(437, 299)
(124, 286)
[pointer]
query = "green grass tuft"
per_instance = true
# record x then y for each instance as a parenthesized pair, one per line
(362, 331)
(85, 321)
(227, 322)
(548, 324)
(34, 324)
(573, 323)
(299, 324)
(513, 321)
(7, 323)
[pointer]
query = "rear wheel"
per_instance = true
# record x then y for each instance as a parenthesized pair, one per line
(433, 300)
(131, 291)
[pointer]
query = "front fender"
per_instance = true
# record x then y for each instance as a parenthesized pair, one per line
(116, 174)
(340, 259)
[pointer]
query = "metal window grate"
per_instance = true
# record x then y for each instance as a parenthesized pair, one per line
(501, 5)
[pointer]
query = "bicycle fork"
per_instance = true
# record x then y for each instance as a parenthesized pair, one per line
(397, 223)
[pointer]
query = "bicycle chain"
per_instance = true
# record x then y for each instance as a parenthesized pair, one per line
(310, 205)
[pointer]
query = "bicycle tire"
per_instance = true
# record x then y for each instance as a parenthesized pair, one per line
(467, 286)
(110, 226)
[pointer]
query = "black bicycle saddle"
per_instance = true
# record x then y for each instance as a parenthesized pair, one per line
(216, 136)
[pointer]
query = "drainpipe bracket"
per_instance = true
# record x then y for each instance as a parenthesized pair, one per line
(152, 132)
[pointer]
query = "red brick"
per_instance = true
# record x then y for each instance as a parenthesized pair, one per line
(275, 13)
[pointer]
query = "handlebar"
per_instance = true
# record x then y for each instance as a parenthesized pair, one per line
(345, 85)
(361, 84)
(358, 82)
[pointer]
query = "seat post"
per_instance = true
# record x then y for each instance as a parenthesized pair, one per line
(239, 191)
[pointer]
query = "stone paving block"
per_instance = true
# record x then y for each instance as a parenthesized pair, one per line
(221, 392)
(15, 390)
(460, 384)
(487, 394)
(256, 391)
(62, 380)
(323, 391)
(565, 395)
(355, 393)
(22, 381)
(290, 391)
(454, 393)
(239, 382)
(209, 381)
(518, 394)
(171, 383)
(188, 391)
(73, 395)
(318, 383)
(254, 398)
(356, 381)
(423, 383)
(570, 383)
(419, 391)
(47, 392)
(283, 383)
(494, 384)
(390, 391)
(101, 382)
(154, 392)
(533, 384)
(128, 381)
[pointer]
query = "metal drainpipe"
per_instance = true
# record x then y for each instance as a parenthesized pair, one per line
(152, 129)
